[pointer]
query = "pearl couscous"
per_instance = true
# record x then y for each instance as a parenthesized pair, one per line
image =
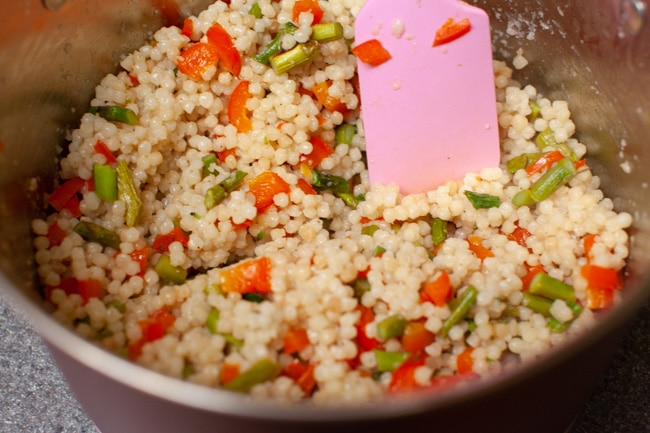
(214, 222)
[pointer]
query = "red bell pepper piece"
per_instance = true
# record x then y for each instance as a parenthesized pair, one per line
(101, 148)
(302, 374)
(237, 111)
(153, 328)
(320, 151)
(188, 27)
(141, 257)
(305, 186)
(247, 276)
(403, 378)
(371, 52)
(224, 154)
(451, 30)
(544, 162)
(226, 51)
(162, 242)
(64, 193)
(55, 234)
(90, 288)
(308, 6)
(601, 278)
(519, 235)
(266, 186)
(364, 342)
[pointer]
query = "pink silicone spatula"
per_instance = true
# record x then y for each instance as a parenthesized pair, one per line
(429, 113)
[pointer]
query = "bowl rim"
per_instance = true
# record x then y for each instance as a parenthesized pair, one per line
(217, 400)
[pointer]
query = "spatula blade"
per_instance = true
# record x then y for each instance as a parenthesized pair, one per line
(429, 113)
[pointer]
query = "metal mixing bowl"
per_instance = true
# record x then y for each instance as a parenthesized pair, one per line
(593, 53)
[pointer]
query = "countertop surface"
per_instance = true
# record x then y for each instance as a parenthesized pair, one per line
(35, 398)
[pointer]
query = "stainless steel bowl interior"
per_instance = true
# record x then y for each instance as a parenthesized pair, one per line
(594, 54)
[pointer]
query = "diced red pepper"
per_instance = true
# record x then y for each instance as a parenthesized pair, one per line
(247, 276)
(320, 151)
(601, 278)
(476, 245)
(580, 163)
(224, 154)
(416, 337)
(74, 206)
(134, 80)
(403, 377)
(544, 162)
(197, 58)
(322, 94)
(90, 288)
(451, 30)
(102, 148)
(371, 52)
(141, 257)
(241, 226)
(308, 6)
(364, 342)
(188, 27)
(532, 271)
(226, 51)
(229, 371)
(519, 235)
(153, 328)
(62, 195)
(465, 362)
(162, 242)
(55, 234)
(237, 111)
(302, 374)
(438, 291)
(295, 341)
(266, 186)
(305, 186)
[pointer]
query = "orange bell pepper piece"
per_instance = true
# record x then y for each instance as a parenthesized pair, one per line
(266, 186)
(321, 91)
(438, 291)
(451, 30)
(416, 337)
(302, 374)
(308, 6)
(476, 245)
(196, 59)
(371, 52)
(532, 271)
(247, 276)
(588, 243)
(465, 362)
(295, 340)
(226, 51)
(229, 371)
(237, 112)
(601, 278)
(188, 27)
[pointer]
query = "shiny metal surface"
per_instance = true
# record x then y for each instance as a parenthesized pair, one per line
(594, 54)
